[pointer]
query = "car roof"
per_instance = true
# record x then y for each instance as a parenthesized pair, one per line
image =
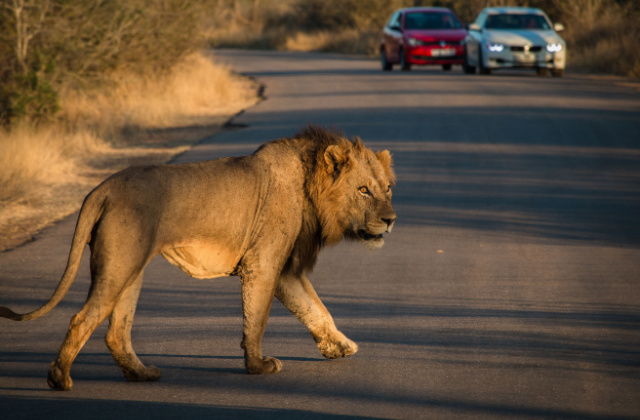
(427, 9)
(513, 10)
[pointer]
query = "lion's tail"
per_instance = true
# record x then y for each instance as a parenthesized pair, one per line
(90, 213)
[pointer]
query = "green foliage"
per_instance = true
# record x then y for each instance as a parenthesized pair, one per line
(83, 42)
(32, 95)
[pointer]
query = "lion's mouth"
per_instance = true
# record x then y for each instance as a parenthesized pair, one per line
(368, 236)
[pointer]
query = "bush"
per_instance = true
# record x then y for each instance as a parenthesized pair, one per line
(32, 95)
(48, 44)
(602, 36)
(78, 78)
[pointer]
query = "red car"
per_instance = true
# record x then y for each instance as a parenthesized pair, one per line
(422, 36)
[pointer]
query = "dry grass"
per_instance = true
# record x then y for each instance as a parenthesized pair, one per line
(347, 41)
(190, 94)
(45, 172)
(603, 37)
(34, 157)
(615, 55)
(238, 36)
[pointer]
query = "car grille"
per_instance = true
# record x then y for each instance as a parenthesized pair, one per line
(443, 44)
(521, 48)
(454, 58)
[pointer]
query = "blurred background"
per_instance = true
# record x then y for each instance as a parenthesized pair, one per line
(602, 35)
(87, 88)
(49, 48)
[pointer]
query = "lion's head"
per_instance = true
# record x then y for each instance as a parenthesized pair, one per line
(354, 195)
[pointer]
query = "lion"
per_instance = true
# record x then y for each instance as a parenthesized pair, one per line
(263, 217)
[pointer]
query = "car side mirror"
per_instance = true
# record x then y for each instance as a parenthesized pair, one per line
(558, 27)
(474, 27)
(396, 28)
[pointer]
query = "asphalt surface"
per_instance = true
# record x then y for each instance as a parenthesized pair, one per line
(508, 288)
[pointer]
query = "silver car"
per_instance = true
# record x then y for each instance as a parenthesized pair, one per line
(514, 37)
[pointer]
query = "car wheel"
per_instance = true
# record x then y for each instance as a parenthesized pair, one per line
(481, 68)
(542, 71)
(386, 66)
(557, 72)
(446, 67)
(404, 66)
(465, 64)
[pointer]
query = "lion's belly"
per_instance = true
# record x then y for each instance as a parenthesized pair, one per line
(202, 260)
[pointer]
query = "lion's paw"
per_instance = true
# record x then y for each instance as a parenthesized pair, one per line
(58, 380)
(334, 349)
(149, 373)
(264, 366)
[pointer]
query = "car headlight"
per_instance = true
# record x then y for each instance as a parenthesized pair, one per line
(495, 47)
(414, 42)
(554, 47)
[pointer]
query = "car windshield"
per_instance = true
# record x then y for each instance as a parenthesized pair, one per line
(517, 21)
(424, 20)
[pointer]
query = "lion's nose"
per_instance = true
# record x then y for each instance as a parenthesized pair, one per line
(389, 221)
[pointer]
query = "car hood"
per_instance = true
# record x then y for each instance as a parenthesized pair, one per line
(522, 37)
(434, 35)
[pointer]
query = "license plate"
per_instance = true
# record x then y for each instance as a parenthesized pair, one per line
(524, 58)
(448, 52)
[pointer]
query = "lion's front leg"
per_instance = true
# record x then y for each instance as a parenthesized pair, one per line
(257, 296)
(297, 294)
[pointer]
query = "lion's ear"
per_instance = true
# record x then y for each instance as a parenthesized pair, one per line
(384, 157)
(336, 158)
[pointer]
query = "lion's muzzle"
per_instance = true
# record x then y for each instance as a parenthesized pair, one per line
(389, 221)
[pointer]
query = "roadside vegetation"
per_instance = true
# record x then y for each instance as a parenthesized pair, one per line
(88, 88)
(602, 35)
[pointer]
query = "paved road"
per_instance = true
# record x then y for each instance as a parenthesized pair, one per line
(509, 288)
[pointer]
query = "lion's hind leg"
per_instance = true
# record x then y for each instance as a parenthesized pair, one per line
(118, 336)
(99, 304)
(116, 271)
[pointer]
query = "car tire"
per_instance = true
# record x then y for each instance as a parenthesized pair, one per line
(557, 72)
(542, 71)
(481, 68)
(465, 64)
(386, 65)
(446, 67)
(404, 66)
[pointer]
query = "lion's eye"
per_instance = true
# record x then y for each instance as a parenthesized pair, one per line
(388, 188)
(364, 191)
